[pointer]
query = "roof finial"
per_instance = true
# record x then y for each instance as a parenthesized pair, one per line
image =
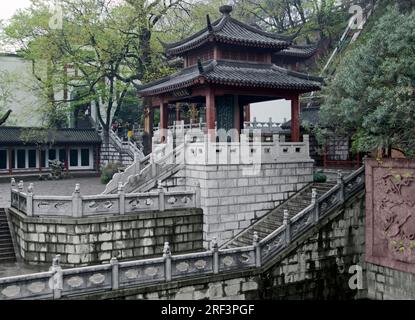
(209, 24)
(200, 66)
(225, 10)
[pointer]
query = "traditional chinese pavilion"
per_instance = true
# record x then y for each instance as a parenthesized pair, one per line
(227, 66)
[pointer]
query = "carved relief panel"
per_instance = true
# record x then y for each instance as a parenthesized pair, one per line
(390, 213)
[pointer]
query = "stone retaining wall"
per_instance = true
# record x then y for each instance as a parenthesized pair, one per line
(231, 201)
(96, 240)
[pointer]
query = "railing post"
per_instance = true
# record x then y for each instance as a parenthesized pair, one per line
(215, 253)
(115, 273)
(197, 195)
(161, 195)
(121, 194)
(257, 249)
(57, 277)
(76, 202)
(29, 200)
(287, 227)
(341, 183)
(270, 123)
(306, 140)
(20, 188)
(137, 164)
(167, 260)
(153, 165)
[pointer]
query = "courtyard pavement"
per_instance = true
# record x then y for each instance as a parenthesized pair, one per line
(10, 269)
(65, 187)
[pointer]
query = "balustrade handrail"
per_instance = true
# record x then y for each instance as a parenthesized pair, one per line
(213, 261)
(78, 205)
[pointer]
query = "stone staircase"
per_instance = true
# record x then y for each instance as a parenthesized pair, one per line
(144, 174)
(274, 219)
(6, 244)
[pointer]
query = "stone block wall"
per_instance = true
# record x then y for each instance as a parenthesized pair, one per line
(388, 284)
(96, 240)
(215, 288)
(231, 201)
(109, 154)
(318, 265)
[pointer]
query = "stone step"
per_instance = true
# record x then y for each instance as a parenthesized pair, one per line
(274, 219)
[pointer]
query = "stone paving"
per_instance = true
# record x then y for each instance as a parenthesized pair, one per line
(89, 186)
(18, 268)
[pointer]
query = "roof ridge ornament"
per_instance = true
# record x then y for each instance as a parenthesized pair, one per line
(225, 10)
(209, 24)
(200, 66)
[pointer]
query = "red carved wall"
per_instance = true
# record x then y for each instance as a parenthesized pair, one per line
(390, 213)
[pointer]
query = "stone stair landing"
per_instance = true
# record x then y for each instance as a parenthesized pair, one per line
(274, 219)
(6, 244)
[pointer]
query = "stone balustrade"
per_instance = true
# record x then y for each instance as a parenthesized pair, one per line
(121, 203)
(246, 152)
(266, 127)
(59, 283)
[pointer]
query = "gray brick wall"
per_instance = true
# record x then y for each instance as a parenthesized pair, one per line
(98, 239)
(231, 201)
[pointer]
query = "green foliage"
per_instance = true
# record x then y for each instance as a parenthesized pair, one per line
(108, 47)
(39, 136)
(371, 97)
(319, 177)
(108, 172)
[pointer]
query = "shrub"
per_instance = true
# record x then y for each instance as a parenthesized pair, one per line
(319, 177)
(108, 172)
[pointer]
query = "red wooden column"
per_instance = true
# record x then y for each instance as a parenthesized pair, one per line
(10, 155)
(98, 157)
(66, 158)
(236, 118)
(295, 119)
(163, 121)
(211, 114)
(40, 159)
(247, 116)
(177, 112)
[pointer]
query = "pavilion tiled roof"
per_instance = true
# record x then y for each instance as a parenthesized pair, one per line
(298, 51)
(228, 30)
(14, 136)
(235, 73)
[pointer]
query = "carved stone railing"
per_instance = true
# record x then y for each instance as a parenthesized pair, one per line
(120, 203)
(115, 275)
(125, 146)
(244, 152)
(266, 127)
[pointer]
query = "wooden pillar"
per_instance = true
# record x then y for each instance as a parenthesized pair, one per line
(295, 119)
(147, 122)
(10, 152)
(40, 159)
(163, 121)
(148, 128)
(210, 114)
(247, 113)
(193, 113)
(98, 157)
(66, 158)
(177, 112)
(236, 118)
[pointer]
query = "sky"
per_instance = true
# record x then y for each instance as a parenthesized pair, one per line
(277, 110)
(7, 7)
